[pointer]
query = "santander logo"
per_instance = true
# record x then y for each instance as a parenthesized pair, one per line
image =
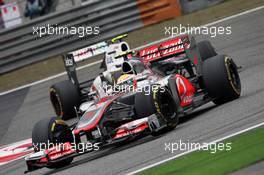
(185, 89)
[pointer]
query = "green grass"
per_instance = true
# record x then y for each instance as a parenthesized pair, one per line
(247, 149)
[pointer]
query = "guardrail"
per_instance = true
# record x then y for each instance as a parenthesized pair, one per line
(19, 47)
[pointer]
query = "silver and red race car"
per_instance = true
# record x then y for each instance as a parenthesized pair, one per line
(157, 85)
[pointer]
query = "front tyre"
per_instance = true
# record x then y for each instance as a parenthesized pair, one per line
(157, 100)
(49, 132)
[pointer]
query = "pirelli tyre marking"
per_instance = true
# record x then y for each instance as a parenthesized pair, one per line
(155, 92)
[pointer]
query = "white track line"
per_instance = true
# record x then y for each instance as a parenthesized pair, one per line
(12, 149)
(97, 62)
(206, 25)
(187, 152)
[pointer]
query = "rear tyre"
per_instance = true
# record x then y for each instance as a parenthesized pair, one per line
(64, 96)
(221, 79)
(206, 50)
(49, 132)
(157, 100)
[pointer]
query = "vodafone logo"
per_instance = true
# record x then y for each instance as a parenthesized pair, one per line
(181, 86)
(185, 89)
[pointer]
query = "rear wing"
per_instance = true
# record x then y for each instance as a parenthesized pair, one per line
(173, 47)
(168, 48)
(90, 51)
(72, 58)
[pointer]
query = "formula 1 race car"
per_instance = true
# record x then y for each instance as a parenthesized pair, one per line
(164, 82)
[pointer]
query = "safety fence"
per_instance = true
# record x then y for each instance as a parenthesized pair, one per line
(23, 45)
(103, 19)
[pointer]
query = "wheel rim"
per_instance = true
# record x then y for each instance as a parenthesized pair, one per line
(167, 107)
(233, 75)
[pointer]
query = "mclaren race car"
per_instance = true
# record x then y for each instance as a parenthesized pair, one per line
(157, 85)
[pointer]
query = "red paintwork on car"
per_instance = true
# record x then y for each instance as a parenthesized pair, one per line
(154, 52)
(185, 89)
(123, 132)
(59, 151)
(108, 101)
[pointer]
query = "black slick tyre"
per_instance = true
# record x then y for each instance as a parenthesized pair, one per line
(64, 96)
(221, 79)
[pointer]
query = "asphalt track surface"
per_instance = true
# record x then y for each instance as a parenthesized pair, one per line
(210, 122)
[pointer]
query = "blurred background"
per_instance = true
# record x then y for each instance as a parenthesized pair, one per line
(25, 57)
(14, 12)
